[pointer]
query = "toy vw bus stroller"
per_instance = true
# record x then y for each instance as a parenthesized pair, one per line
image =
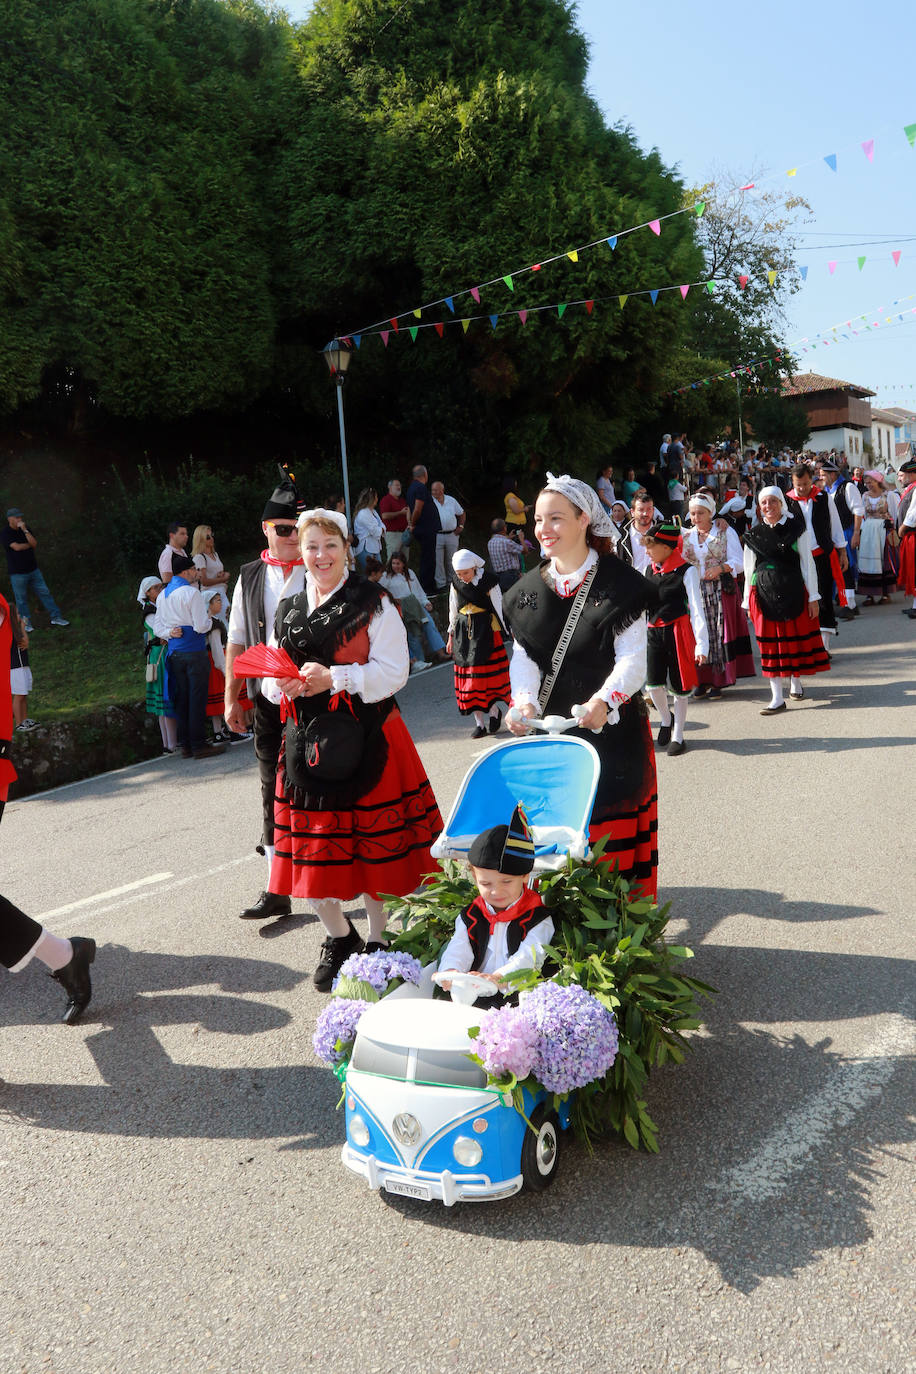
(421, 1121)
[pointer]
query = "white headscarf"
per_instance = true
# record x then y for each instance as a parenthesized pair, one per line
(774, 491)
(208, 593)
(698, 499)
(145, 586)
(462, 559)
(308, 517)
(586, 499)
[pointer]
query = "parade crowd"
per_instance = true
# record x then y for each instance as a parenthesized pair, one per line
(642, 598)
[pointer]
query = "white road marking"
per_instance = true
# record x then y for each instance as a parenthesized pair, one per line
(143, 895)
(103, 896)
(851, 1085)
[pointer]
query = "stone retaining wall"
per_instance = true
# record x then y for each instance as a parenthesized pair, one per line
(51, 755)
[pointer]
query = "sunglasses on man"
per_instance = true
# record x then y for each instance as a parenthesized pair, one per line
(284, 531)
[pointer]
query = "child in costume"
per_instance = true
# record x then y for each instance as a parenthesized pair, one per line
(678, 636)
(475, 642)
(507, 926)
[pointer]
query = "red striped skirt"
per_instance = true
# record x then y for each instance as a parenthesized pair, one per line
(380, 846)
(481, 685)
(216, 691)
(906, 577)
(788, 648)
(631, 829)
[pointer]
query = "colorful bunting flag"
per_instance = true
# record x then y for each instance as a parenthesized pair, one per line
(394, 325)
(418, 314)
(573, 256)
(536, 267)
(385, 333)
(910, 131)
(743, 281)
(440, 328)
(830, 160)
(612, 241)
(655, 226)
(560, 310)
(868, 148)
(771, 276)
(792, 172)
(509, 282)
(896, 256)
(804, 273)
(654, 296)
(476, 294)
(413, 330)
(450, 303)
(700, 207)
(623, 300)
(748, 187)
(831, 267)
(493, 320)
(357, 339)
(523, 316)
(683, 290)
(589, 306)
(464, 325)
(861, 262)
(710, 287)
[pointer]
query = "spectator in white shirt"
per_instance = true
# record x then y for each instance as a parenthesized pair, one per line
(369, 528)
(177, 537)
(181, 607)
(451, 523)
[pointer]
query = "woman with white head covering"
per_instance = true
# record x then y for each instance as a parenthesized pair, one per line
(354, 814)
(157, 698)
(716, 555)
(475, 607)
(604, 667)
(781, 591)
(877, 566)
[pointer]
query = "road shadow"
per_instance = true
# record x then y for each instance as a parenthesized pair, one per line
(704, 908)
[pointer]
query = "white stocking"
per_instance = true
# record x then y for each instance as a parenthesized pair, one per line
(480, 719)
(375, 911)
(52, 950)
(330, 913)
(777, 689)
(680, 717)
(795, 684)
(659, 697)
(825, 639)
(170, 734)
(269, 856)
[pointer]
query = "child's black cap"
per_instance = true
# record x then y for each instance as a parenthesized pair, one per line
(505, 848)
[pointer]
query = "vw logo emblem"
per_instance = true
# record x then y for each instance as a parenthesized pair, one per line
(407, 1129)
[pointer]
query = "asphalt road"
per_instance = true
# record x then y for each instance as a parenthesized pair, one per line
(173, 1196)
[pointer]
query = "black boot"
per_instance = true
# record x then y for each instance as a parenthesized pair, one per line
(268, 904)
(334, 952)
(74, 979)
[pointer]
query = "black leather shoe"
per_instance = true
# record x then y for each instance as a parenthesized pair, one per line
(335, 951)
(676, 747)
(268, 904)
(700, 691)
(478, 732)
(844, 613)
(495, 722)
(664, 736)
(774, 710)
(74, 979)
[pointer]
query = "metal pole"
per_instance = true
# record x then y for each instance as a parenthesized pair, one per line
(343, 448)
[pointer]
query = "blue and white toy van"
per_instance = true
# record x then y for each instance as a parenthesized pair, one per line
(421, 1121)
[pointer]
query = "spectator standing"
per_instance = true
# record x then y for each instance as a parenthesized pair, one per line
(516, 512)
(20, 544)
(20, 675)
(368, 526)
(677, 494)
(632, 546)
(654, 484)
(206, 559)
(630, 484)
(395, 512)
(663, 451)
(181, 606)
(604, 486)
(176, 542)
(451, 523)
(415, 607)
(157, 700)
(505, 555)
(424, 526)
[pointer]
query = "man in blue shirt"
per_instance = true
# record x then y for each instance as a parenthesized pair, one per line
(424, 526)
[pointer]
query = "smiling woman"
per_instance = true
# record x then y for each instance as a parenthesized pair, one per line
(354, 812)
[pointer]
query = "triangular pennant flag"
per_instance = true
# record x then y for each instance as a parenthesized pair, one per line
(654, 295)
(861, 262)
(589, 306)
(418, 314)
(560, 309)
(710, 287)
(655, 226)
(450, 303)
(413, 331)
(493, 320)
(910, 131)
(385, 333)
(700, 207)
(743, 281)
(612, 242)
(465, 324)
(868, 148)
(830, 160)
(476, 294)
(357, 339)
(440, 328)
(509, 282)
(536, 267)
(683, 290)
(771, 276)
(804, 273)
(791, 172)
(831, 268)
(748, 187)
(523, 315)
(623, 300)
(896, 256)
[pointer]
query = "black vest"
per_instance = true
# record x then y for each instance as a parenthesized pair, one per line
(820, 519)
(672, 594)
(781, 590)
(842, 506)
(903, 508)
(478, 929)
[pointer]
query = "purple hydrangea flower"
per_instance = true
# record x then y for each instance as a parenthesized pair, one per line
(380, 968)
(338, 1021)
(506, 1042)
(577, 1036)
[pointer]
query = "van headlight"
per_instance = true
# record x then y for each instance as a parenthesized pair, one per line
(359, 1131)
(467, 1151)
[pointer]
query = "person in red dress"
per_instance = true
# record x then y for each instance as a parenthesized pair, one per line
(475, 643)
(368, 832)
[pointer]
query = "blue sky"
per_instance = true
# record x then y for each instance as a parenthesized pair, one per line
(725, 91)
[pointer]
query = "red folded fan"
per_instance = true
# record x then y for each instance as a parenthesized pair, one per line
(263, 660)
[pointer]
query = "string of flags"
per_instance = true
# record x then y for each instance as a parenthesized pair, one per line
(392, 324)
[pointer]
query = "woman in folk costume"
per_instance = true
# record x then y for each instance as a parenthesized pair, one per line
(8, 773)
(906, 533)
(877, 574)
(157, 698)
(475, 642)
(603, 667)
(782, 594)
(678, 633)
(716, 554)
(354, 812)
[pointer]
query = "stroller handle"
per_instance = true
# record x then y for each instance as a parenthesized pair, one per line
(556, 725)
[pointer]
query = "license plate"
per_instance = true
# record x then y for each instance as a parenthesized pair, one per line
(418, 1190)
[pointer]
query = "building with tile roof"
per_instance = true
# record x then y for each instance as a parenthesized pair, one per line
(839, 414)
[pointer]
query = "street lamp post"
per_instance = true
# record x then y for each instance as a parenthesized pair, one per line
(337, 357)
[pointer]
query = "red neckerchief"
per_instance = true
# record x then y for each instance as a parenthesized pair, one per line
(674, 561)
(267, 557)
(528, 901)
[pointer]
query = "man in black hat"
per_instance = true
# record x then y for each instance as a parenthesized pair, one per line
(827, 543)
(850, 507)
(262, 585)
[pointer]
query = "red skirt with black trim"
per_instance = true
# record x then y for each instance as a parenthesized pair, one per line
(788, 648)
(481, 685)
(631, 829)
(216, 691)
(379, 846)
(906, 575)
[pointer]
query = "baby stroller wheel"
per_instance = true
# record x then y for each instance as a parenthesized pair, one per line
(540, 1150)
